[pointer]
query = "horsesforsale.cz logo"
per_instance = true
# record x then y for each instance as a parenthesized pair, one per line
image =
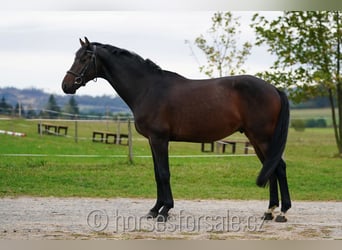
(99, 220)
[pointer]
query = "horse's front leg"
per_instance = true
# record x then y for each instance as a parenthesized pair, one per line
(159, 148)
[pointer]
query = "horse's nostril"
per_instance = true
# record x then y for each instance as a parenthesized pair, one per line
(78, 80)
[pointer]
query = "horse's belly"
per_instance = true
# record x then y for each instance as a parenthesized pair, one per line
(205, 129)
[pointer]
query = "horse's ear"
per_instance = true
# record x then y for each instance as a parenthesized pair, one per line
(82, 43)
(86, 41)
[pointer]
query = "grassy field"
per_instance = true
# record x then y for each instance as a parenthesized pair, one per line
(56, 170)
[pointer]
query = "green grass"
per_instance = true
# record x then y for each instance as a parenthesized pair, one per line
(313, 171)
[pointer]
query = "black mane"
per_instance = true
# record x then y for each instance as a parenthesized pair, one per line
(118, 51)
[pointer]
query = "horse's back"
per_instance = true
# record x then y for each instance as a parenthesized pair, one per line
(247, 85)
(245, 92)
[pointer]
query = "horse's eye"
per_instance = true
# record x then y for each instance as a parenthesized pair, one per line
(83, 59)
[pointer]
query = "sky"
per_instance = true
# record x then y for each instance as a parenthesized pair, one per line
(37, 44)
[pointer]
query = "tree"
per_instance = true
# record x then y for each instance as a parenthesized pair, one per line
(30, 112)
(71, 107)
(5, 108)
(221, 47)
(308, 49)
(52, 110)
(19, 110)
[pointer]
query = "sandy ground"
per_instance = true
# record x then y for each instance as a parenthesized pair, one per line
(119, 218)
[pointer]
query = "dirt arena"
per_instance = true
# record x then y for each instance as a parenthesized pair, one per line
(121, 218)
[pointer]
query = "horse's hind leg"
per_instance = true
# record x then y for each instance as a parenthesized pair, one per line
(274, 198)
(284, 190)
(279, 176)
(261, 149)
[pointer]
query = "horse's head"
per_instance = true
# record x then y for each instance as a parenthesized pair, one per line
(82, 70)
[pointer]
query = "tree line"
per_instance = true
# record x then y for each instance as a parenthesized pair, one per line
(51, 110)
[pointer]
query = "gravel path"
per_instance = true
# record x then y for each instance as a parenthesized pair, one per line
(119, 218)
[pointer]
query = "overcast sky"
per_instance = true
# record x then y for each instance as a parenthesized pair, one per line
(37, 47)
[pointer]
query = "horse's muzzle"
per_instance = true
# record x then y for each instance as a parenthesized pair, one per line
(68, 86)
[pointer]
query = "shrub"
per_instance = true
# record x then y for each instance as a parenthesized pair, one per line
(316, 123)
(298, 124)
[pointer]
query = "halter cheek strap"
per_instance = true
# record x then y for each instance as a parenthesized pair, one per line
(79, 77)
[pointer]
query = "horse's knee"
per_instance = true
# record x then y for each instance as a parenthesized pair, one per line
(281, 168)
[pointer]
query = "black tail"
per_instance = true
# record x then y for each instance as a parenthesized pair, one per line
(277, 146)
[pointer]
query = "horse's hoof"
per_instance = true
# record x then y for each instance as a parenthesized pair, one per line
(151, 215)
(281, 218)
(162, 217)
(268, 216)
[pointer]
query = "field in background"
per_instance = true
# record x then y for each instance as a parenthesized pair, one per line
(103, 170)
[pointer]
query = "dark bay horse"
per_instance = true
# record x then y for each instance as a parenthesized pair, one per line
(169, 107)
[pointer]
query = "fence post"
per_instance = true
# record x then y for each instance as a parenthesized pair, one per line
(118, 130)
(76, 129)
(40, 128)
(130, 146)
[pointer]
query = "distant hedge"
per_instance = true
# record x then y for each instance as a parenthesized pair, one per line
(301, 124)
(316, 123)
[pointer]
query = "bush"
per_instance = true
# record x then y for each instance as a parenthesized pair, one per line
(298, 124)
(316, 123)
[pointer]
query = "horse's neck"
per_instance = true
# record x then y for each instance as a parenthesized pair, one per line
(129, 84)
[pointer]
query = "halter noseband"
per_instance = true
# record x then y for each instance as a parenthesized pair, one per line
(79, 76)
